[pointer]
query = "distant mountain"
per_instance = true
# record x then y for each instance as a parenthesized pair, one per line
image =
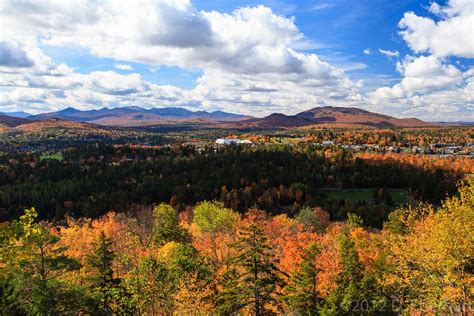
(348, 115)
(137, 116)
(72, 114)
(11, 121)
(134, 119)
(331, 115)
(20, 114)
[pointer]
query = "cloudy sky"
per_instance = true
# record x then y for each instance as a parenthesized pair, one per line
(405, 58)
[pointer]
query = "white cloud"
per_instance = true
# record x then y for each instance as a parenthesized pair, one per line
(322, 6)
(421, 75)
(430, 89)
(452, 35)
(268, 93)
(367, 51)
(250, 40)
(123, 67)
(93, 90)
(389, 53)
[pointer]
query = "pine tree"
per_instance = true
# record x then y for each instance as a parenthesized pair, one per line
(302, 292)
(106, 287)
(230, 299)
(254, 280)
(349, 282)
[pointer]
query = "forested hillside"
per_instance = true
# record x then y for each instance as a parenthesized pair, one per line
(212, 260)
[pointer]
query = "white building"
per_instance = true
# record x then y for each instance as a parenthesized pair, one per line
(228, 141)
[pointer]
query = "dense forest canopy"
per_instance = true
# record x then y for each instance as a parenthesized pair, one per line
(212, 260)
(91, 180)
(103, 225)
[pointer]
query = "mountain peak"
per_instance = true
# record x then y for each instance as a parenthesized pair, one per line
(68, 110)
(332, 115)
(327, 108)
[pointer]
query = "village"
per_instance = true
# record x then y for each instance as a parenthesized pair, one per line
(438, 149)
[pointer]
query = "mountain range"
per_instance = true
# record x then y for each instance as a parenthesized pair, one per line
(137, 116)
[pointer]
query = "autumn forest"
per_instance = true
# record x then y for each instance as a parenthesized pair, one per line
(236, 158)
(270, 229)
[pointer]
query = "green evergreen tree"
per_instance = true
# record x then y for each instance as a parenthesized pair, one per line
(302, 293)
(357, 290)
(230, 299)
(349, 281)
(354, 220)
(111, 296)
(254, 282)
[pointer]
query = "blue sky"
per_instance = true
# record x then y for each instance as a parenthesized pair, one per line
(404, 58)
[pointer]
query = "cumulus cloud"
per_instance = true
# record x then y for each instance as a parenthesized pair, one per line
(450, 36)
(421, 75)
(270, 93)
(456, 104)
(367, 51)
(430, 89)
(250, 39)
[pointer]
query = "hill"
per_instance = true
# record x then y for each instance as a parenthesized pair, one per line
(36, 126)
(331, 115)
(11, 121)
(342, 115)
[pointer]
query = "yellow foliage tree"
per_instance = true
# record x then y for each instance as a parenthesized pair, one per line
(432, 263)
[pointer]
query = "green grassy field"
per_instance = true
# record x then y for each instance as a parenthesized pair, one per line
(399, 196)
(56, 156)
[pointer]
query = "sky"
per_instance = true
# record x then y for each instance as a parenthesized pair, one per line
(402, 58)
